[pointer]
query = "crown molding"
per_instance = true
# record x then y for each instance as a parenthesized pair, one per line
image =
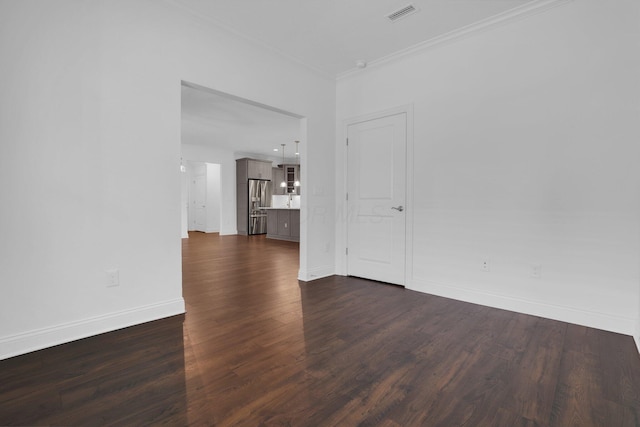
(520, 12)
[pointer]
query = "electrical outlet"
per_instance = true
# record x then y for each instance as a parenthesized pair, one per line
(113, 278)
(536, 271)
(486, 265)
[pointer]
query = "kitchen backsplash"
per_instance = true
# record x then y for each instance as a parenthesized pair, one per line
(280, 201)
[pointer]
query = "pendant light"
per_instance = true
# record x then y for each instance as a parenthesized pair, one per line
(297, 183)
(283, 184)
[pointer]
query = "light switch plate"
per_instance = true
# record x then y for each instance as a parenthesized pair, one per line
(113, 278)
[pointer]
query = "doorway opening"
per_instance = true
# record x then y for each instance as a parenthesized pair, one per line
(203, 201)
(217, 129)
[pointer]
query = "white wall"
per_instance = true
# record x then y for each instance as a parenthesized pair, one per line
(525, 151)
(184, 203)
(213, 198)
(91, 97)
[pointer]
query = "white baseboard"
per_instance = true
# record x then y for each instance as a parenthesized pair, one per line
(47, 337)
(316, 273)
(592, 319)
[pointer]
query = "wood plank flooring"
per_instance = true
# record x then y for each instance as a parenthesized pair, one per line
(257, 347)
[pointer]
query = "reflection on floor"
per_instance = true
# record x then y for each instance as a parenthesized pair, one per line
(257, 347)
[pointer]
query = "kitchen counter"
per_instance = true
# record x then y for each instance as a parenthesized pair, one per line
(284, 208)
(283, 223)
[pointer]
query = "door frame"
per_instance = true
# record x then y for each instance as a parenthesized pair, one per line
(304, 274)
(342, 187)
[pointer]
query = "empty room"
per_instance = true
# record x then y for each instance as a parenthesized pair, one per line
(458, 242)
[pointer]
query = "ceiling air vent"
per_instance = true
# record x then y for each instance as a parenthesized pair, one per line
(401, 13)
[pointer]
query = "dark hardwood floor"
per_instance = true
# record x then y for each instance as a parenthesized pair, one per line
(258, 348)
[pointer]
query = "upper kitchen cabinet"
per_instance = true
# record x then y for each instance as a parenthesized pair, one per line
(253, 169)
(277, 175)
(290, 175)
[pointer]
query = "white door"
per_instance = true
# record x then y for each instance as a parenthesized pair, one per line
(198, 203)
(377, 198)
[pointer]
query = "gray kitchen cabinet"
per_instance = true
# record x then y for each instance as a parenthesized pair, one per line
(272, 222)
(290, 174)
(256, 169)
(242, 208)
(277, 175)
(295, 224)
(247, 169)
(283, 224)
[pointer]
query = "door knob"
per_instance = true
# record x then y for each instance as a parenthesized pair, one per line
(398, 208)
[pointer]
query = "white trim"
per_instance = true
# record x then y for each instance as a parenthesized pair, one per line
(410, 179)
(316, 273)
(240, 99)
(520, 12)
(38, 339)
(340, 236)
(303, 248)
(341, 203)
(592, 319)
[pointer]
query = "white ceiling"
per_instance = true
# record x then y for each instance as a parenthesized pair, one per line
(331, 35)
(213, 119)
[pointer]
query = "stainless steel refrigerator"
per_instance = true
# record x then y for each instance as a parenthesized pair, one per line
(259, 197)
